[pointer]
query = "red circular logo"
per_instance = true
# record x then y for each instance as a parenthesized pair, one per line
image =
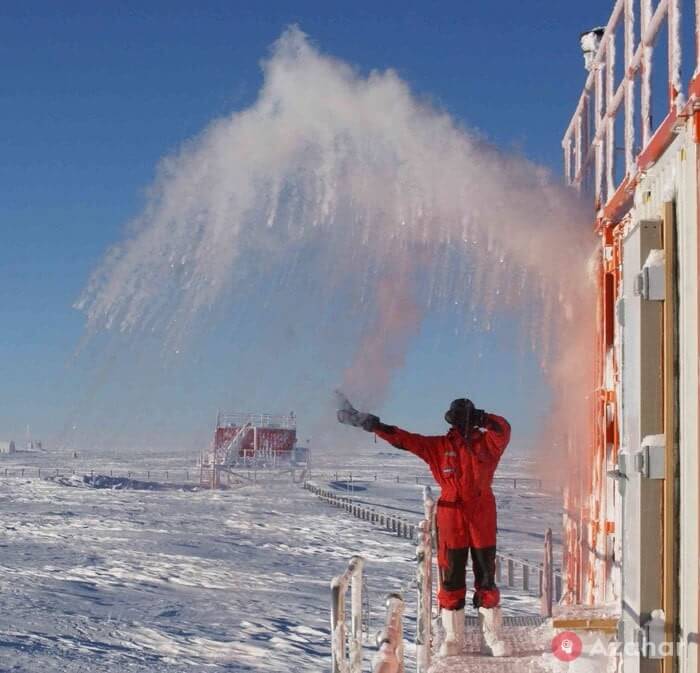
(566, 646)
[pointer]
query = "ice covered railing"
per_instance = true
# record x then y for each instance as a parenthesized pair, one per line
(591, 140)
(389, 659)
(424, 582)
(232, 449)
(347, 652)
(346, 648)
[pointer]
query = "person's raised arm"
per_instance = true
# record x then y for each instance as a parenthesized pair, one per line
(496, 431)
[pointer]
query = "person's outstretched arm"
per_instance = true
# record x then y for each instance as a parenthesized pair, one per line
(419, 445)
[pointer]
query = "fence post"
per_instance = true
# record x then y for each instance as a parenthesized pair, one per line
(424, 581)
(389, 659)
(547, 572)
(557, 588)
(347, 659)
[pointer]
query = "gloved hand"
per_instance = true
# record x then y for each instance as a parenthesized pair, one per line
(370, 422)
(478, 418)
(348, 415)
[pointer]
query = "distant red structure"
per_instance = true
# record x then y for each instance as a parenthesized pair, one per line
(248, 440)
(268, 435)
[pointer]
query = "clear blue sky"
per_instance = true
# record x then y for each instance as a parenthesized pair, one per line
(92, 95)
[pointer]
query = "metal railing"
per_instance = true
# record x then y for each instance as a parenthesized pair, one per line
(424, 583)
(396, 524)
(592, 151)
(230, 452)
(548, 590)
(347, 653)
(236, 419)
(389, 658)
(530, 577)
(352, 479)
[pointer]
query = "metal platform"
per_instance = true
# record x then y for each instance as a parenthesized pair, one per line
(527, 639)
(532, 621)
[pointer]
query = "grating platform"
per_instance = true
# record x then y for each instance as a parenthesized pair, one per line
(527, 639)
(532, 621)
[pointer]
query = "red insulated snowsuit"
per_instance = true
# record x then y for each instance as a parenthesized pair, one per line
(466, 510)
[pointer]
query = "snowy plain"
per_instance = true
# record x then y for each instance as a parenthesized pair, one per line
(237, 580)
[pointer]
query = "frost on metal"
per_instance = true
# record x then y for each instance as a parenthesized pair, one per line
(590, 155)
(347, 656)
(424, 581)
(389, 659)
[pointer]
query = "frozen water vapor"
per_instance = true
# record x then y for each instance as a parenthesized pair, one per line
(396, 200)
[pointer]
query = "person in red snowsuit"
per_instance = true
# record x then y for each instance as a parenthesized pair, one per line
(463, 463)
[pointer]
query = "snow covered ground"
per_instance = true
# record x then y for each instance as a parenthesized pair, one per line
(133, 580)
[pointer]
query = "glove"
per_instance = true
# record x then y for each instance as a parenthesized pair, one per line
(370, 422)
(358, 419)
(348, 415)
(478, 418)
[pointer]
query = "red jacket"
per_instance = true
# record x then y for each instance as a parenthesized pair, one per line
(464, 469)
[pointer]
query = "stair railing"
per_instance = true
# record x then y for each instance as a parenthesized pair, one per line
(347, 653)
(424, 582)
(389, 658)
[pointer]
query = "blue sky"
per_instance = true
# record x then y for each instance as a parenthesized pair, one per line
(94, 94)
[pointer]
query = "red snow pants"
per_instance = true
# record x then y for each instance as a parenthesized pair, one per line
(465, 530)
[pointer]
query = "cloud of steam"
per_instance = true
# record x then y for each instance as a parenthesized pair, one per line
(383, 346)
(403, 209)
